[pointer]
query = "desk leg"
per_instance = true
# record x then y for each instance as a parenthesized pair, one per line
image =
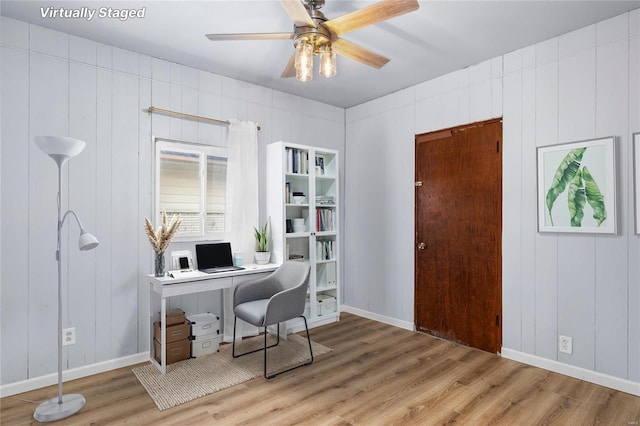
(163, 335)
(159, 362)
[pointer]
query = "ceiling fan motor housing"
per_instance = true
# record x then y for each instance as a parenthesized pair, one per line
(318, 36)
(313, 4)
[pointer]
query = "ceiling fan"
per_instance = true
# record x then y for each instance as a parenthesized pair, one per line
(315, 34)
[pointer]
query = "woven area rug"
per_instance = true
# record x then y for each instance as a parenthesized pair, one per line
(196, 377)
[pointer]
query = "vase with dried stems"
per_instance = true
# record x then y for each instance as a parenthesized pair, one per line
(160, 239)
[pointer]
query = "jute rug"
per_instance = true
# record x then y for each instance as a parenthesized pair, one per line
(196, 377)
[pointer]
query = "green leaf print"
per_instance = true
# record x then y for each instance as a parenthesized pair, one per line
(564, 175)
(594, 197)
(577, 199)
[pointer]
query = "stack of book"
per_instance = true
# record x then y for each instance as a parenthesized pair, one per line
(322, 200)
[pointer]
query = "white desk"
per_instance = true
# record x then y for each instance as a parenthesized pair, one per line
(200, 282)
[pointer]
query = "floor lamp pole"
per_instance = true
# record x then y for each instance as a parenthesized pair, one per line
(59, 261)
(61, 149)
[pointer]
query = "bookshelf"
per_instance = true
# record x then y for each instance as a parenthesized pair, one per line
(303, 204)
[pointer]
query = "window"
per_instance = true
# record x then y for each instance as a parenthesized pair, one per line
(191, 182)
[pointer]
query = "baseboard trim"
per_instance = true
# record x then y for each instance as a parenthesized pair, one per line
(75, 373)
(601, 379)
(377, 317)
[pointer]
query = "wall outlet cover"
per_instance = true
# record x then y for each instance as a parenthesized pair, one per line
(565, 344)
(68, 336)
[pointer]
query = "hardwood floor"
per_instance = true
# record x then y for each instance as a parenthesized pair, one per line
(376, 375)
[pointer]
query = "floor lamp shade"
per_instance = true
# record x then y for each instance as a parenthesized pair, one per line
(61, 149)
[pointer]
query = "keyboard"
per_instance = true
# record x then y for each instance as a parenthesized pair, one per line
(222, 269)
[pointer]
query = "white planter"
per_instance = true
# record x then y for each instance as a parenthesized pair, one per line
(262, 257)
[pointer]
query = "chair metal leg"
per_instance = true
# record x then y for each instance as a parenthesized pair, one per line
(233, 348)
(268, 377)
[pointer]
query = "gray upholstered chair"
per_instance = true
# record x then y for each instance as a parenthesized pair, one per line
(267, 301)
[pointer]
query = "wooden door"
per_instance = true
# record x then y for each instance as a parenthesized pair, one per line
(458, 234)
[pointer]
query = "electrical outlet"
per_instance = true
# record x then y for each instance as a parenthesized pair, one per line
(565, 344)
(69, 336)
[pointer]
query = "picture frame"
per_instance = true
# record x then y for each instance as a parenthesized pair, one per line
(636, 172)
(577, 187)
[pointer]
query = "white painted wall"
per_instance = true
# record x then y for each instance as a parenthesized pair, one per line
(581, 85)
(57, 84)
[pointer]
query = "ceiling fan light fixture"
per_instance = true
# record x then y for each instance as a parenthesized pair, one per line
(304, 60)
(327, 61)
(315, 34)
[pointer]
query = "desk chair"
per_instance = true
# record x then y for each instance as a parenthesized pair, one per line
(278, 297)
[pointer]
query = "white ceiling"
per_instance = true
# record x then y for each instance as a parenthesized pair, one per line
(438, 38)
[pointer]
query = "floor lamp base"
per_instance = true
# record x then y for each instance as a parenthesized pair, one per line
(50, 410)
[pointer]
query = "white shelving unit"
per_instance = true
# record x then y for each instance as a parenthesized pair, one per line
(303, 204)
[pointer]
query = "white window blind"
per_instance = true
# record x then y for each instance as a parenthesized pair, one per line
(191, 182)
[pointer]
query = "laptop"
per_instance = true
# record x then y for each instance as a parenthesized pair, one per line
(215, 257)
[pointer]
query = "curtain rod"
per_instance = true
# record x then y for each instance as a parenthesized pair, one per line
(190, 116)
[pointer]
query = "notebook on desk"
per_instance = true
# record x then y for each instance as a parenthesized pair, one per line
(215, 257)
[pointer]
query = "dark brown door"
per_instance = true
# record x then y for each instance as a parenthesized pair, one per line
(458, 234)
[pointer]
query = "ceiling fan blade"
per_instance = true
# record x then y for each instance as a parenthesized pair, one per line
(378, 12)
(298, 13)
(250, 36)
(290, 69)
(357, 53)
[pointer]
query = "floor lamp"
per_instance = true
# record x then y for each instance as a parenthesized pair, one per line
(62, 149)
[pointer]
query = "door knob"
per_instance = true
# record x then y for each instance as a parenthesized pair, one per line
(421, 246)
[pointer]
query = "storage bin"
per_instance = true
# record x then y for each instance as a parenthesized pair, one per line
(204, 324)
(205, 344)
(173, 332)
(175, 316)
(326, 305)
(176, 351)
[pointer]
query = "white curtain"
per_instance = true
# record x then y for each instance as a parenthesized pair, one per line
(241, 213)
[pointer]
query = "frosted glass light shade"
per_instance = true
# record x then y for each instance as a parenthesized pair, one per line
(327, 62)
(304, 61)
(304, 74)
(60, 148)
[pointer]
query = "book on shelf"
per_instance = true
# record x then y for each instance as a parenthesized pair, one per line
(297, 161)
(331, 275)
(287, 192)
(324, 219)
(320, 165)
(324, 249)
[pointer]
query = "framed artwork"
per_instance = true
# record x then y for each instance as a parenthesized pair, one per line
(577, 187)
(636, 169)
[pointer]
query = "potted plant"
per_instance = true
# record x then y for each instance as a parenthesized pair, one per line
(262, 254)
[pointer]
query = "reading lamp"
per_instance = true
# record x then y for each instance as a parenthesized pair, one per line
(61, 149)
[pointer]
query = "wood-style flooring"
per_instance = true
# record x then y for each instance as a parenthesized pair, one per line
(376, 375)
